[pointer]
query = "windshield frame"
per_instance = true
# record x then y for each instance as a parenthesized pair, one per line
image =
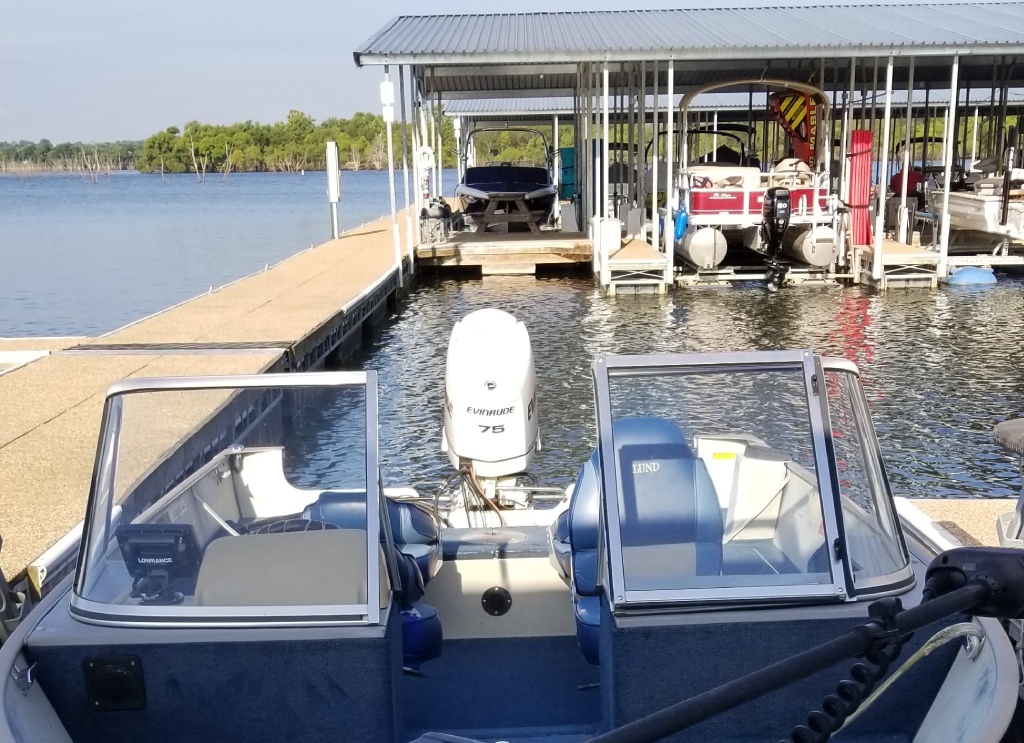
(102, 496)
(808, 365)
(903, 577)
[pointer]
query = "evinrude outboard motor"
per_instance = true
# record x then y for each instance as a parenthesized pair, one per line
(775, 213)
(491, 429)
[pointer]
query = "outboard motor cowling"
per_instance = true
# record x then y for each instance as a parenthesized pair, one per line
(775, 213)
(490, 415)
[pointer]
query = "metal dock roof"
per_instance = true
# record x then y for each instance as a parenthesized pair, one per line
(933, 28)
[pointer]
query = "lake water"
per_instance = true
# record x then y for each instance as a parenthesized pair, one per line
(941, 368)
(84, 258)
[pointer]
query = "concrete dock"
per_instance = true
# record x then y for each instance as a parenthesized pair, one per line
(290, 317)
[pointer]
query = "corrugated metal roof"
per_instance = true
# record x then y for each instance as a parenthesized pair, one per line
(490, 107)
(698, 33)
(485, 108)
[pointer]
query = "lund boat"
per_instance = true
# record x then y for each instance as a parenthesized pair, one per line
(508, 193)
(244, 576)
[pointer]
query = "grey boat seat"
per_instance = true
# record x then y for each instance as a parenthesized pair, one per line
(670, 519)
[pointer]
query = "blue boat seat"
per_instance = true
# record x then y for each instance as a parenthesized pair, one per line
(416, 533)
(671, 522)
(415, 529)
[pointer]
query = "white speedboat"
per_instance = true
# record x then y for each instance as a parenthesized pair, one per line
(993, 207)
(729, 555)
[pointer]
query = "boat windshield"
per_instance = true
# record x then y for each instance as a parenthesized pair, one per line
(206, 500)
(720, 481)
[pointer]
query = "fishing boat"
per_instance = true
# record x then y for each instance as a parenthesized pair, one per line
(729, 547)
(722, 199)
(507, 193)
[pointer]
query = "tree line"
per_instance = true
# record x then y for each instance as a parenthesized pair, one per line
(298, 143)
(67, 157)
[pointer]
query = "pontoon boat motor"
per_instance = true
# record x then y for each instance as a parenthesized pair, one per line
(490, 419)
(775, 212)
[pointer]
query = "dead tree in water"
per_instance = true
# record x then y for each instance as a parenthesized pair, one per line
(200, 172)
(227, 159)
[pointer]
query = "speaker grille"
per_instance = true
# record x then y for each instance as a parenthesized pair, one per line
(114, 683)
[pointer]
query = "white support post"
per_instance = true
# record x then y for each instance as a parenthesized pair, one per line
(641, 198)
(333, 186)
(605, 179)
(457, 127)
(605, 173)
(948, 147)
(974, 139)
(655, 227)
(876, 262)
(387, 99)
(714, 139)
(409, 241)
(556, 171)
(669, 173)
(433, 145)
(905, 228)
(439, 159)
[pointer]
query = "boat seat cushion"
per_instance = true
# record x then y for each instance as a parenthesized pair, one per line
(422, 637)
(669, 514)
(588, 627)
(560, 547)
(582, 523)
(671, 523)
(722, 176)
(506, 179)
(288, 569)
(415, 529)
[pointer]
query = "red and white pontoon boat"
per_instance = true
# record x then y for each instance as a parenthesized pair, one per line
(723, 201)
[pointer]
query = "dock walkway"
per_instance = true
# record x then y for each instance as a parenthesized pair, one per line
(288, 317)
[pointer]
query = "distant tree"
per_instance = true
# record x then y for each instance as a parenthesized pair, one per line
(379, 152)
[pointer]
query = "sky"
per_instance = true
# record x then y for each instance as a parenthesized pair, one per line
(107, 70)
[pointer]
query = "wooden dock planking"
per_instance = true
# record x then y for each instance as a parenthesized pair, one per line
(501, 249)
(896, 253)
(636, 254)
(52, 406)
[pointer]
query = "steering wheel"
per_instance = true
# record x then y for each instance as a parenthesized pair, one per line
(287, 526)
(701, 181)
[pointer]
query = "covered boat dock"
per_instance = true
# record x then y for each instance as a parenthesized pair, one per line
(615, 78)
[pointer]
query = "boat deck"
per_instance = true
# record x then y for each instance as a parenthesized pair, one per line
(508, 252)
(290, 316)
